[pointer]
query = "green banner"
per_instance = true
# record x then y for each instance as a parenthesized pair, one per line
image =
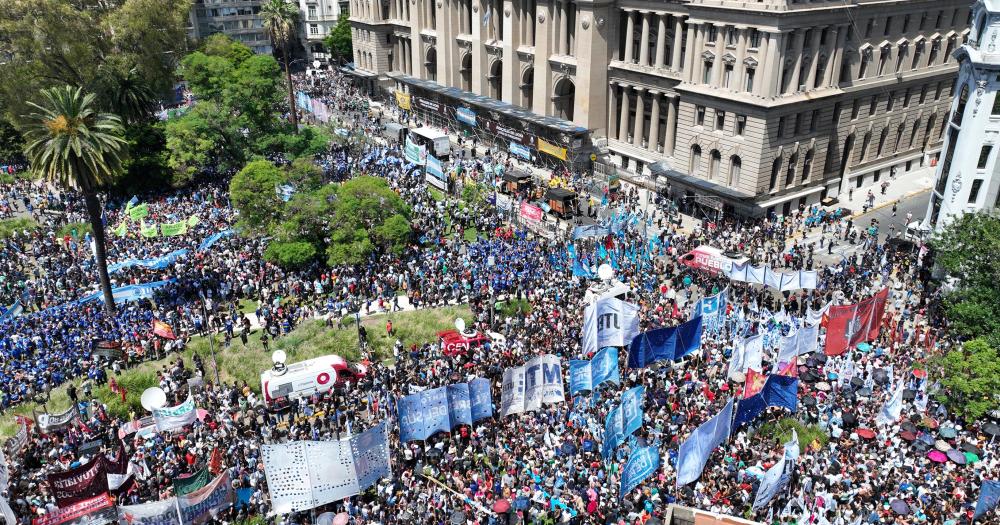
(191, 483)
(121, 229)
(172, 229)
(193, 221)
(148, 231)
(412, 153)
(139, 212)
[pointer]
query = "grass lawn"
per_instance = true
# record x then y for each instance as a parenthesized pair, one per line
(470, 235)
(9, 226)
(248, 306)
(781, 432)
(436, 194)
(236, 363)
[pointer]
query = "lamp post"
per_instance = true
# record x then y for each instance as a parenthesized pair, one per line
(211, 341)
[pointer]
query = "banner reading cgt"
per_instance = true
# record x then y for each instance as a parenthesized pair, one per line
(528, 387)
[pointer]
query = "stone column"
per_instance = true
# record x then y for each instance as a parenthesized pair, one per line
(675, 56)
(692, 42)
(838, 55)
(644, 39)
(629, 31)
(793, 83)
(741, 53)
(661, 40)
(640, 117)
(671, 131)
(623, 120)
(831, 53)
(612, 106)
(564, 28)
(814, 60)
(772, 64)
(720, 49)
(654, 121)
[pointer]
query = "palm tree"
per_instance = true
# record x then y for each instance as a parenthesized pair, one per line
(123, 91)
(69, 143)
(279, 18)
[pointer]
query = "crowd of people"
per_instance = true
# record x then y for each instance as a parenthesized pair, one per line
(546, 463)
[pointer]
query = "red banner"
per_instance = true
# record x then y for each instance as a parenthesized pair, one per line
(94, 511)
(80, 483)
(531, 212)
(852, 324)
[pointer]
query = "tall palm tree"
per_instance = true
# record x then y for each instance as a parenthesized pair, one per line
(123, 91)
(70, 143)
(279, 19)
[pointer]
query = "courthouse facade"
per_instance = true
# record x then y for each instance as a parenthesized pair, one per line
(763, 105)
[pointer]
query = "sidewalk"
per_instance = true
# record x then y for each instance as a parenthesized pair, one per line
(900, 188)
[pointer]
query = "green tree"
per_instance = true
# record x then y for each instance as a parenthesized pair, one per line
(970, 379)
(147, 166)
(339, 39)
(11, 141)
(253, 192)
(279, 20)
(253, 93)
(220, 45)
(291, 255)
(967, 249)
(69, 143)
(310, 141)
(205, 135)
(125, 92)
(206, 75)
(367, 215)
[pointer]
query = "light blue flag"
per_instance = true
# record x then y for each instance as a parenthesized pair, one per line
(775, 480)
(632, 409)
(989, 496)
(694, 452)
(642, 464)
(604, 366)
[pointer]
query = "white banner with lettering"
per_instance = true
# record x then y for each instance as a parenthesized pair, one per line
(764, 275)
(527, 387)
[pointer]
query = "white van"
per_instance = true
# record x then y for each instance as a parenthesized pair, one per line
(306, 378)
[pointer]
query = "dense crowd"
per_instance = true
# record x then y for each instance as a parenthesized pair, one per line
(546, 463)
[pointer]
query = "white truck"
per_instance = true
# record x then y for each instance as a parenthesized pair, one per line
(435, 140)
(308, 377)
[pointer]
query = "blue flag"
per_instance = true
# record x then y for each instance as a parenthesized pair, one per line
(622, 420)
(778, 391)
(665, 343)
(588, 375)
(643, 463)
(989, 496)
(694, 452)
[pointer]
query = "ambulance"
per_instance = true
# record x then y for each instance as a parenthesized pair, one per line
(712, 260)
(308, 377)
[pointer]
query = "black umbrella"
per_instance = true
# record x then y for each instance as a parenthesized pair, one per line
(969, 447)
(810, 377)
(857, 382)
(812, 362)
(908, 426)
(850, 420)
(820, 358)
(809, 401)
(920, 446)
(909, 395)
(881, 376)
(865, 392)
(991, 429)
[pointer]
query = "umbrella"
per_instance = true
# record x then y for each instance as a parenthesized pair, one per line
(909, 395)
(969, 447)
(809, 376)
(820, 358)
(907, 436)
(864, 347)
(832, 376)
(881, 376)
(920, 446)
(937, 456)
(850, 420)
(809, 401)
(521, 503)
(341, 519)
(857, 382)
(812, 362)
(957, 457)
(991, 429)
(971, 458)
(919, 374)
(942, 445)
(929, 422)
(866, 433)
(823, 386)
(865, 392)
(457, 517)
(927, 439)
(908, 426)
(947, 432)
(900, 507)
(500, 506)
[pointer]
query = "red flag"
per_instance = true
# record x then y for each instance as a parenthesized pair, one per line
(163, 330)
(788, 369)
(754, 383)
(215, 462)
(851, 324)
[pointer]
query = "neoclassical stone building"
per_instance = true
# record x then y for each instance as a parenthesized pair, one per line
(762, 104)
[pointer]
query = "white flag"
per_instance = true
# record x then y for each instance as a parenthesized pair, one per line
(893, 408)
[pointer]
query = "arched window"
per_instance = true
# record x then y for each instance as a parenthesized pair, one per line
(899, 138)
(790, 173)
(775, 168)
(866, 60)
(735, 165)
(807, 165)
(713, 165)
(864, 146)
(694, 163)
(881, 142)
(885, 52)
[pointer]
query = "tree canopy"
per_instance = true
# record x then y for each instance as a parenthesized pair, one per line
(339, 39)
(970, 379)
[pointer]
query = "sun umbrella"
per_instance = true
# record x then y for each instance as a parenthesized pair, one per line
(991, 429)
(942, 445)
(971, 458)
(500, 506)
(866, 433)
(909, 395)
(929, 422)
(864, 347)
(947, 432)
(881, 376)
(926, 438)
(857, 382)
(850, 420)
(823, 386)
(831, 376)
(900, 507)
(957, 457)
(457, 517)
(919, 374)
(865, 392)
(937, 456)
(809, 376)
(809, 401)
(820, 358)
(969, 447)
(341, 519)
(908, 426)
(920, 446)
(907, 436)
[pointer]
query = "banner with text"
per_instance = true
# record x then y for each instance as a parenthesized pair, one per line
(527, 387)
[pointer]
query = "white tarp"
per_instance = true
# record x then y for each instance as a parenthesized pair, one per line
(175, 417)
(764, 275)
(302, 475)
(163, 512)
(527, 387)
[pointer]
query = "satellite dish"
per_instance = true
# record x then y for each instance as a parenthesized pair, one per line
(278, 357)
(152, 398)
(325, 519)
(460, 324)
(605, 272)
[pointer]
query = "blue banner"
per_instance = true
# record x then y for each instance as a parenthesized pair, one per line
(123, 294)
(665, 343)
(989, 496)
(423, 414)
(13, 311)
(622, 420)
(434, 167)
(519, 150)
(643, 463)
(466, 116)
(778, 391)
(694, 451)
(592, 230)
(712, 309)
(153, 263)
(214, 238)
(588, 375)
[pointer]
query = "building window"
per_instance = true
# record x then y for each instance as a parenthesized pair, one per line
(312, 12)
(881, 142)
(713, 34)
(899, 138)
(790, 172)
(996, 105)
(814, 121)
(313, 29)
(864, 146)
(695, 163)
(775, 169)
(856, 110)
(781, 127)
(956, 118)
(713, 165)
(748, 83)
(974, 191)
(883, 58)
(923, 20)
(918, 50)
(798, 124)
(906, 24)
(741, 124)
(984, 157)
(727, 75)
(706, 77)
(699, 116)
(891, 101)
(720, 120)
(730, 36)
(735, 166)
(888, 26)
(807, 165)
(935, 49)
(754, 39)
(866, 59)
(906, 99)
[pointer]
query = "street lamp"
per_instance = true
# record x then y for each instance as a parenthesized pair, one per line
(211, 341)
